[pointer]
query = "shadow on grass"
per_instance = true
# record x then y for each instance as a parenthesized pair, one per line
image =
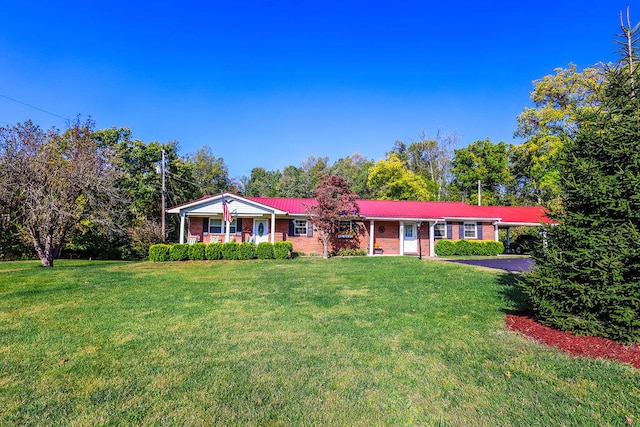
(517, 300)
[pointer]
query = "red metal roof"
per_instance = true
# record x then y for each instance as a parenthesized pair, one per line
(410, 209)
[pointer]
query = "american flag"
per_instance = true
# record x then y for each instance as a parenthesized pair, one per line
(226, 215)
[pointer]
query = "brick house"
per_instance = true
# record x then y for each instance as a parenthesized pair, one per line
(396, 227)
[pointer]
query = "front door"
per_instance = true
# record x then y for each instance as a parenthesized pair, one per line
(261, 230)
(410, 238)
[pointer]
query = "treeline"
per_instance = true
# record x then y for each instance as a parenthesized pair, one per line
(424, 169)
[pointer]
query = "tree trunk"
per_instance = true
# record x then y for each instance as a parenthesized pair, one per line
(45, 253)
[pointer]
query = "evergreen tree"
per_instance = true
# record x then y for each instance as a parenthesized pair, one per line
(587, 278)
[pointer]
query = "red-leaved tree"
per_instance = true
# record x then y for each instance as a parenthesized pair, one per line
(334, 202)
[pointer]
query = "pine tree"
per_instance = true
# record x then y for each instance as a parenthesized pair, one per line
(587, 278)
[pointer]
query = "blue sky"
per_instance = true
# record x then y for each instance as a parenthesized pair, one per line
(269, 83)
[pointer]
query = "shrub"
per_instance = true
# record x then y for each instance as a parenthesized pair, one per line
(246, 250)
(214, 251)
(197, 252)
(159, 253)
(494, 248)
(265, 250)
(282, 250)
(179, 252)
(445, 248)
(230, 250)
(351, 252)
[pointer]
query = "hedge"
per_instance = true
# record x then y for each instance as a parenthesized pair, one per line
(265, 250)
(214, 251)
(230, 250)
(468, 248)
(159, 253)
(197, 252)
(179, 252)
(282, 250)
(246, 250)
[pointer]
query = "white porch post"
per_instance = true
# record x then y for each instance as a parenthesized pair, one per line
(371, 231)
(496, 236)
(182, 217)
(227, 231)
(273, 227)
(432, 239)
(401, 237)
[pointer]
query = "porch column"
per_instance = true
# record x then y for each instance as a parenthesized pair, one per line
(508, 248)
(182, 217)
(273, 227)
(496, 236)
(371, 231)
(401, 237)
(432, 239)
(226, 231)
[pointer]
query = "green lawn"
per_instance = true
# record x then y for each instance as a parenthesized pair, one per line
(353, 341)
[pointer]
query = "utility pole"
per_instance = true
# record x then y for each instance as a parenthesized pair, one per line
(163, 203)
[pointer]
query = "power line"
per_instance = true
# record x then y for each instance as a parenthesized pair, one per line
(34, 107)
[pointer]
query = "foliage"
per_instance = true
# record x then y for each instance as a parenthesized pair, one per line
(334, 202)
(352, 252)
(468, 248)
(159, 252)
(209, 172)
(264, 250)
(198, 252)
(486, 162)
(588, 274)
(282, 249)
(246, 250)
(262, 183)
(355, 169)
(391, 179)
(179, 252)
(547, 127)
(230, 250)
(52, 181)
(214, 251)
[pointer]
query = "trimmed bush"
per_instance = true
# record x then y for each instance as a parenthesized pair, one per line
(445, 248)
(247, 250)
(282, 250)
(468, 248)
(159, 253)
(179, 252)
(230, 250)
(352, 252)
(265, 250)
(197, 252)
(214, 251)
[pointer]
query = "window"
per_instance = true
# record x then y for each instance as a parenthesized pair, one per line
(217, 226)
(408, 231)
(470, 230)
(440, 230)
(345, 226)
(300, 227)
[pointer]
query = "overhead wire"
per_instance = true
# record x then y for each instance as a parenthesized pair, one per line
(34, 107)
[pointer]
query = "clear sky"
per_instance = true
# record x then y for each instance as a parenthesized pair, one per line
(269, 83)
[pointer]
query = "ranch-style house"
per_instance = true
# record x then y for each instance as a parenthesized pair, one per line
(390, 227)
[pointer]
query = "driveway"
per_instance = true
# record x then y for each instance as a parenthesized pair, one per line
(514, 265)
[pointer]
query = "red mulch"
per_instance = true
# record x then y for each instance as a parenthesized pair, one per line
(595, 347)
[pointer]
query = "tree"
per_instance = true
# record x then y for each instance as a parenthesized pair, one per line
(587, 278)
(262, 183)
(390, 179)
(486, 162)
(53, 181)
(355, 169)
(334, 202)
(295, 182)
(546, 127)
(209, 172)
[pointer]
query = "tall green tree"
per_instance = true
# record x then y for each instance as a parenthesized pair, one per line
(486, 162)
(587, 278)
(355, 169)
(390, 179)
(209, 172)
(547, 126)
(262, 183)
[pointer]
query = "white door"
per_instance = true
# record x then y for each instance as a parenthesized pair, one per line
(261, 230)
(410, 238)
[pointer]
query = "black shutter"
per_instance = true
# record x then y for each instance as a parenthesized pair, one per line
(309, 229)
(449, 230)
(461, 230)
(479, 232)
(292, 228)
(238, 225)
(205, 225)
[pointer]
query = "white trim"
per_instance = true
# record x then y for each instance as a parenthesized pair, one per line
(182, 217)
(445, 229)
(371, 240)
(273, 228)
(464, 230)
(229, 196)
(496, 236)
(401, 237)
(432, 237)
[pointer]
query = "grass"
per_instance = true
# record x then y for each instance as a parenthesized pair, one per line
(354, 341)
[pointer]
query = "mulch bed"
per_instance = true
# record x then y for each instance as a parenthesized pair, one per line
(594, 347)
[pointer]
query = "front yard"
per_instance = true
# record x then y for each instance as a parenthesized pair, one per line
(354, 341)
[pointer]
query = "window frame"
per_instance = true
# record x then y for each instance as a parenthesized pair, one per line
(298, 229)
(475, 230)
(221, 224)
(437, 235)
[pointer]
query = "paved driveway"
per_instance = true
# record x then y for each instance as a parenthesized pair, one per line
(502, 263)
